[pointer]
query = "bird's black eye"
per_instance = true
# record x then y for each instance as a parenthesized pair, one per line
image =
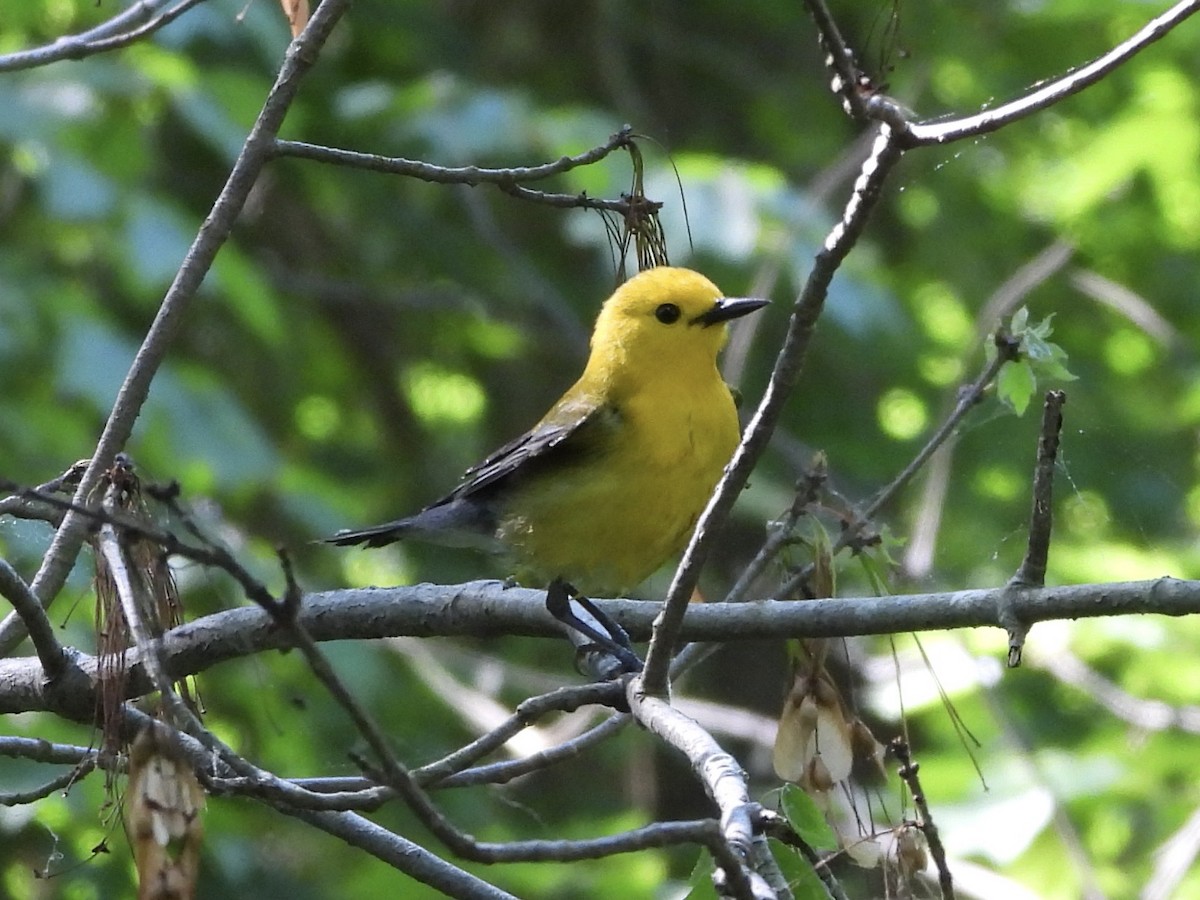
(667, 313)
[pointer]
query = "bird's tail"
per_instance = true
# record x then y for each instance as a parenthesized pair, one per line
(457, 522)
(376, 536)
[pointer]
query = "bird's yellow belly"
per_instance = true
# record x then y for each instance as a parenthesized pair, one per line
(633, 505)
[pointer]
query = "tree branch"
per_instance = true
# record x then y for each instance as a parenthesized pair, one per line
(35, 620)
(470, 175)
(721, 774)
(885, 153)
(923, 133)
(487, 608)
(1032, 571)
(64, 547)
(123, 29)
(402, 854)
(908, 774)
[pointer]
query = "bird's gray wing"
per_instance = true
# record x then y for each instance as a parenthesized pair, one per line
(560, 437)
(467, 515)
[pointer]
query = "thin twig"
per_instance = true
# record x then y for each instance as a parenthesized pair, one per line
(39, 750)
(621, 207)
(1007, 350)
(508, 180)
(14, 589)
(566, 699)
(504, 772)
(64, 548)
(123, 29)
(1002, 303)
(62, 782)
(786, 373)
(839, 59)
(968, 397)
(1032, 571)
(944, 132)
(908, 773)
(402, 854)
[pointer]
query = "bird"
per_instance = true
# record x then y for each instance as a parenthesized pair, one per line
(608, 486)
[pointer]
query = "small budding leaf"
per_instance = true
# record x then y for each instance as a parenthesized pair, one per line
(1040, 358)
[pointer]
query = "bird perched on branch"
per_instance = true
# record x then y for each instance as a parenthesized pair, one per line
(609, 484)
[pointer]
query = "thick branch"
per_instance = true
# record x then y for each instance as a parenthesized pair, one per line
(722, 777)
(486, 608)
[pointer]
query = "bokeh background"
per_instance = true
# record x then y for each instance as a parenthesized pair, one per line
(364, 338)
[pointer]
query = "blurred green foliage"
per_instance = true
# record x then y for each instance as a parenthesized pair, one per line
(363, 338)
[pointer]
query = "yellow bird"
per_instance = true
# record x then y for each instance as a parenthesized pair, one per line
(609, 484)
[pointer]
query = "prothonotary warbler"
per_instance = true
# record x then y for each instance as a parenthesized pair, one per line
(609, 484)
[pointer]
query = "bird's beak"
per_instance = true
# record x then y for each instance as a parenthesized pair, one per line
(729, 308)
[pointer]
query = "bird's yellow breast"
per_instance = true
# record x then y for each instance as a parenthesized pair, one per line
(610, 518)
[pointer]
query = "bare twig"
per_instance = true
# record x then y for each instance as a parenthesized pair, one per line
(209, 239)
(566, 699)
(786, 373)
(908, 773)
(504, 772)
(37, 623)
(402, 854)
(131, 25)
(944, 132)
(43, 751)
(968, 397)
(436, 174)
(1032, 571)
(509, 180)
(1002, 303)
(839, 60)
(62, 782)
(1007, 350)
(621, 207)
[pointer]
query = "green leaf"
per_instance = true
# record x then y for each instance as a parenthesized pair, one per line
(700, 881)
(804, 882)
(807, 820)
(1015, 385)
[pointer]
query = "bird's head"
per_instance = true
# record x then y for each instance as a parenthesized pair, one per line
(665, 318)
